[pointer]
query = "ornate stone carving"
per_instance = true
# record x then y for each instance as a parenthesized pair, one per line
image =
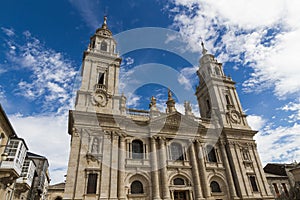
(235, 117)
(100, 98)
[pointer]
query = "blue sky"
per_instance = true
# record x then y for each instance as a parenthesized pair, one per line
(258, 42)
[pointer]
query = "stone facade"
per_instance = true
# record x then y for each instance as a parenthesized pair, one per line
(55, 192)
(122, 153)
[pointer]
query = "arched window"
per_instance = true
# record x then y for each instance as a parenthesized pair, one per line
(211, 153)
(215, 187)
(103, 46)
(178, 181)
(136, 187)
(176, 151)
(137, 149)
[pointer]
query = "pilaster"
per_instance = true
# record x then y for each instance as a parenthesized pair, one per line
(195, 172)
(163, 168)
(230, 183)
(238, 174)
(154, 172)
(105, 170)
(203, 172)
(114, 165)
(121, 178)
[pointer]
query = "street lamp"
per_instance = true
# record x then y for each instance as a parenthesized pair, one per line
(4, 156)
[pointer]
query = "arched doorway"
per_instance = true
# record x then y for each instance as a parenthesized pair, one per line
(180, 188)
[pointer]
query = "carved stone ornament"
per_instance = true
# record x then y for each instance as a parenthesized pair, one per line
(99, 98)
(235, 117)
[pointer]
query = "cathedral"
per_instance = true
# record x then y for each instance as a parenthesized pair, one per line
(122, 153)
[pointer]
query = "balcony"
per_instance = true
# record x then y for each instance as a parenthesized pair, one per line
(11, 166)
(25, 181)
(100, 87)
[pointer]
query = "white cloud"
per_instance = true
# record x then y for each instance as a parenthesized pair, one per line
(88, 11)
(263, 35)
(128, 61)
(293, 107)
(132, 100)
(280, 144)
(50, 84)
(256, 122)
(2, 94)
(52, 75)
(187, 78)
(46, 136)
(8, 31)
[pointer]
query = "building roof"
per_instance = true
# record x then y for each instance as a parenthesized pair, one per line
(278, 168)
(7, 121)
(33, 155)
(58, 186)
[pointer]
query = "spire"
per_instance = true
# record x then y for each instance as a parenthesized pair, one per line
(204, 51)
(104, 30)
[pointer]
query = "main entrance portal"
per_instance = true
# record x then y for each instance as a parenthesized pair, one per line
(180, 195)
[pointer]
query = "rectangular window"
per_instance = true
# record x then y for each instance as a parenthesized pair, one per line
(276, 189)
(253, 184)
(101, 78)
(285, 189)
(92, 183)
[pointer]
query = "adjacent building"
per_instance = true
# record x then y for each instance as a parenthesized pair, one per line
(56, 191)
(17, 167)
(39, 188)
(282, 178)
(122, 153)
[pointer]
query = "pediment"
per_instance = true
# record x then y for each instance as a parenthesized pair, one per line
(175, 121)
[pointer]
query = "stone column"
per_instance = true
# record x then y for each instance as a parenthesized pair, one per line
(261, 173)
(154, 172)
(163, 168)
(121, 178)
(114, 166)
(203, 173)
(228, 171)
(238, 174)
(105, 166)
(195, 172)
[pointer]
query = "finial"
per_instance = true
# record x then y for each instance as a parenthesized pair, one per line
(152, 104)
(169, 94)
(204, 51)
(104, 25)
(105, 19)
(170, 103)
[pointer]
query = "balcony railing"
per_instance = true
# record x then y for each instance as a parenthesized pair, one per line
(100, 87)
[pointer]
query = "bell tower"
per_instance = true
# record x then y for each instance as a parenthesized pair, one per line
(100, 75)
(216, 94)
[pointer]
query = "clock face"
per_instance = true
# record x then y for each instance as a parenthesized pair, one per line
(100, 99)
(235, 117)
